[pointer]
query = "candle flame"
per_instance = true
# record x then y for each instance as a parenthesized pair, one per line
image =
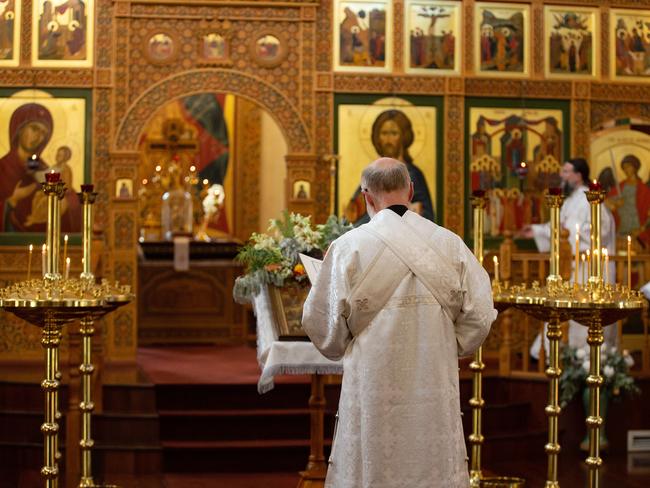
(44, 248)
(65, 238)
(67, 261)
(629, 239)
(495, 259)
(31, 247)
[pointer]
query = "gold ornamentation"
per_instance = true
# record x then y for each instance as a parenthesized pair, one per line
(594, 304)
(51, 303)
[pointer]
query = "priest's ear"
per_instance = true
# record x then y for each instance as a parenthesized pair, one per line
(411, 192)
(370, 203)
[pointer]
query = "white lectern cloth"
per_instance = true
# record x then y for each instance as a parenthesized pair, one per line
(291, 357)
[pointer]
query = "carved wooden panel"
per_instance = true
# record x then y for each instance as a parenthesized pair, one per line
(203, 312)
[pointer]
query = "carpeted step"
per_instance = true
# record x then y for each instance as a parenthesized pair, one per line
(242, 424)
(237, 456)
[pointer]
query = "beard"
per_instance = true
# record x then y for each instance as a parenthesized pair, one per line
(390, 151)
(567, 188)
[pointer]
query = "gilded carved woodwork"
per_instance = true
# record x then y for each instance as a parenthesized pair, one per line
(127, 88)
(247, 182)
(454, 201)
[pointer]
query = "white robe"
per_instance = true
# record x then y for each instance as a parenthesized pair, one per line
(399, 419)
(577, 210)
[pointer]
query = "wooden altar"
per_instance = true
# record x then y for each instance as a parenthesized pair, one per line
(193, 306)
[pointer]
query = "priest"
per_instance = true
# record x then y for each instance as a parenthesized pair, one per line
(575, 216)
(399, 299)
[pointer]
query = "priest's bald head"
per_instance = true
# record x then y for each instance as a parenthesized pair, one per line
(386, 182)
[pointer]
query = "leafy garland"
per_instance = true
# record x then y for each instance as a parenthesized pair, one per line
(272, 258)
(615, 370)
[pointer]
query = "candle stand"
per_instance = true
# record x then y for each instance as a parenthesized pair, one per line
(476, 438)
(52, 302)
(593, 304)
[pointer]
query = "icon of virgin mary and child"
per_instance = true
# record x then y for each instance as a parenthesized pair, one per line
(23, 206)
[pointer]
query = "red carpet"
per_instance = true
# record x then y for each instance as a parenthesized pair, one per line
(207, 365)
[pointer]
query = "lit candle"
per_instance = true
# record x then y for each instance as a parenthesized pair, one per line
(44, 257)
(67, 268)
(629, 262)
(588, 262)
(496, 268)
(577, 254)
(29, 262)
(65, 248)
(595, 186)
(584, 267)
(606, 264)
(595, 261)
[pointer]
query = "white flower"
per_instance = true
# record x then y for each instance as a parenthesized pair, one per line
(612, 350)
(586, 365)
(580, 353)
(629, 360)
(213, 199)
(608, 371)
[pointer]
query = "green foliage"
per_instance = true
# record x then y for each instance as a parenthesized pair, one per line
(615, 369)
(332, 230)
(272, 257)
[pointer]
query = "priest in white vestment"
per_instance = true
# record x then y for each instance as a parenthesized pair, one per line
(399, 299)
(576, 211)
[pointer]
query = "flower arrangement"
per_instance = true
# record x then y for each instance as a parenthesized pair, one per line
(615, 370)
(272, 258)
(213, 199)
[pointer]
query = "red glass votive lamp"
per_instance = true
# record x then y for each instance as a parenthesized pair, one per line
(52, 177)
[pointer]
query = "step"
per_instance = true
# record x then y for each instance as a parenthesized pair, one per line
(136, 398)
(239, 424)
(232, 397)
(136, 460)
(26, 396)
(126, 429)
(237, 456)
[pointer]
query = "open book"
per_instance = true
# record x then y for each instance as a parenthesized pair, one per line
(312, 267)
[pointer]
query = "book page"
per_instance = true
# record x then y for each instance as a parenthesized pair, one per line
(312, 266)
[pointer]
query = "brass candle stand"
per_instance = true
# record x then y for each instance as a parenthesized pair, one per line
(476, 438)
(51, 303)
(479, 202)
(593, 304)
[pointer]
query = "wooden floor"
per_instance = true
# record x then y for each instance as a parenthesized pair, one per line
(619, 471)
